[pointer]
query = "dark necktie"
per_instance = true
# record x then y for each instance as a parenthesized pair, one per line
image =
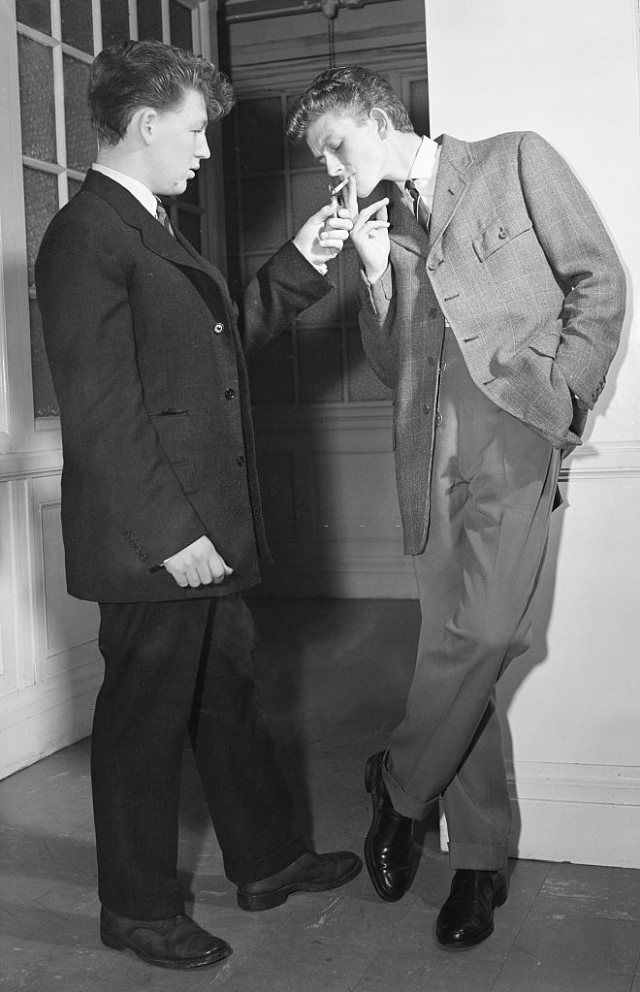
(163, 217)
(420, 209)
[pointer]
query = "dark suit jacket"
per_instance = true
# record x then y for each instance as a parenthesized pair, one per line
(527, 277)
(147, 360)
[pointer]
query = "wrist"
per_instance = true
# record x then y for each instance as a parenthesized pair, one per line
(373, 275)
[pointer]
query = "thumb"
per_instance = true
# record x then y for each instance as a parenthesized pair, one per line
(321, 215)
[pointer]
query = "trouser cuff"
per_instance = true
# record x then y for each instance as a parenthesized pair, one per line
(403, 803)
(480, 857)
(160, 906)
(243, 872)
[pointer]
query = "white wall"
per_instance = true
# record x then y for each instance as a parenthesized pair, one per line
(569, 69)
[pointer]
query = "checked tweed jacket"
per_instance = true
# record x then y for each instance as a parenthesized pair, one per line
(520, 265)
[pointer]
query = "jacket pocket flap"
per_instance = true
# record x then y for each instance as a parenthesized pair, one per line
(499, 233)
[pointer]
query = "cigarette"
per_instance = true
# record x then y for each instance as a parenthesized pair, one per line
(335, 190)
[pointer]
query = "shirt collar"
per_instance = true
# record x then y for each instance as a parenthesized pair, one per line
(425, 163)
(141, 192)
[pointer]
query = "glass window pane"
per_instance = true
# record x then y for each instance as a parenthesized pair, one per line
(44, 398)
(37, 114)
(74, 187)
(41, 203)
(81, 143)
(309, 192)
(191, 226)
(299, 155)
(231, 216)
(263, 213)
(115, 21)
(149, 19)
(260, 123)
(77, 24)
(320, 365)
(180, 25)
(35, 13)
(363, 382)
(229, 143)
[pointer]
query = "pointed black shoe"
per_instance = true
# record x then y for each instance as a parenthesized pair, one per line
(467, 916)
(389, 847)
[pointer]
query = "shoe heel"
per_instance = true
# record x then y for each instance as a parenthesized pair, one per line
(265, 900)
(112, 941)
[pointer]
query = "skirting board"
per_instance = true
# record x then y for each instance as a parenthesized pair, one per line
(584, 814)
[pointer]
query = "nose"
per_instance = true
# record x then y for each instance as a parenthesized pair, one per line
(203, 150)
(333, 166)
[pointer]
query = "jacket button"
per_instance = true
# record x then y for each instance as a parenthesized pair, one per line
(229, 394)
(426, 408)
(433, 312)
(218, 328)
(240, 460)
(438, 418)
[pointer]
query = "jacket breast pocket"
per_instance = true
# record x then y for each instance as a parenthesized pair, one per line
(499, 233)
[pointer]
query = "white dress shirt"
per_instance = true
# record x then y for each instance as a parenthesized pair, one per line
(424, 170)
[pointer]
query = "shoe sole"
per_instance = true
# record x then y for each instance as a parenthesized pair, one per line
(368, 856)
(461, 945)
(118, 943)
(269, 900)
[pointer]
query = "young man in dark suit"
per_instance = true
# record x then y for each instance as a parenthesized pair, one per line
(492, 303)
(161, 512)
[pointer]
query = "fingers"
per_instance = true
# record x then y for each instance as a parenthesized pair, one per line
(374, 212)
(335, 232)
(194, 569)
(323, 213)
(351, 197)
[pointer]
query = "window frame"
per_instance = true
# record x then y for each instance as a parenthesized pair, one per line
(21, 432)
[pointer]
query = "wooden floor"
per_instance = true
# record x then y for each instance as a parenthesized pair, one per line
(333, 676)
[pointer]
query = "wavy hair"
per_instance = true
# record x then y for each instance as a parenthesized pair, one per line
(346, 89)
(136, 74)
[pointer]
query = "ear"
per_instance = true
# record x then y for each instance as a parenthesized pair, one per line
(144, 122)
(381, 120)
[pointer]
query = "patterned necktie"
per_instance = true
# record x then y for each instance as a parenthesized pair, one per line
(421, 211)
(163, 217)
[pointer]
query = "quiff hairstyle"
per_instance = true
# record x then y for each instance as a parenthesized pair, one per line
(347, 89)
(134, 74)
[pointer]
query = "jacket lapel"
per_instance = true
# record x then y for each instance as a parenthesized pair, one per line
(131, 211)
(451, 183)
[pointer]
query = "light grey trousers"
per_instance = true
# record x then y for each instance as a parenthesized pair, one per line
(493, 487)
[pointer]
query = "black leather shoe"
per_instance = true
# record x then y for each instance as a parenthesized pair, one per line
(467, 916)
(389, 847)
(310, 872)
(177, 942)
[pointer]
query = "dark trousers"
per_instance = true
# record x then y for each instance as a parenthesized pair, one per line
(173, 670)
(493, 487)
